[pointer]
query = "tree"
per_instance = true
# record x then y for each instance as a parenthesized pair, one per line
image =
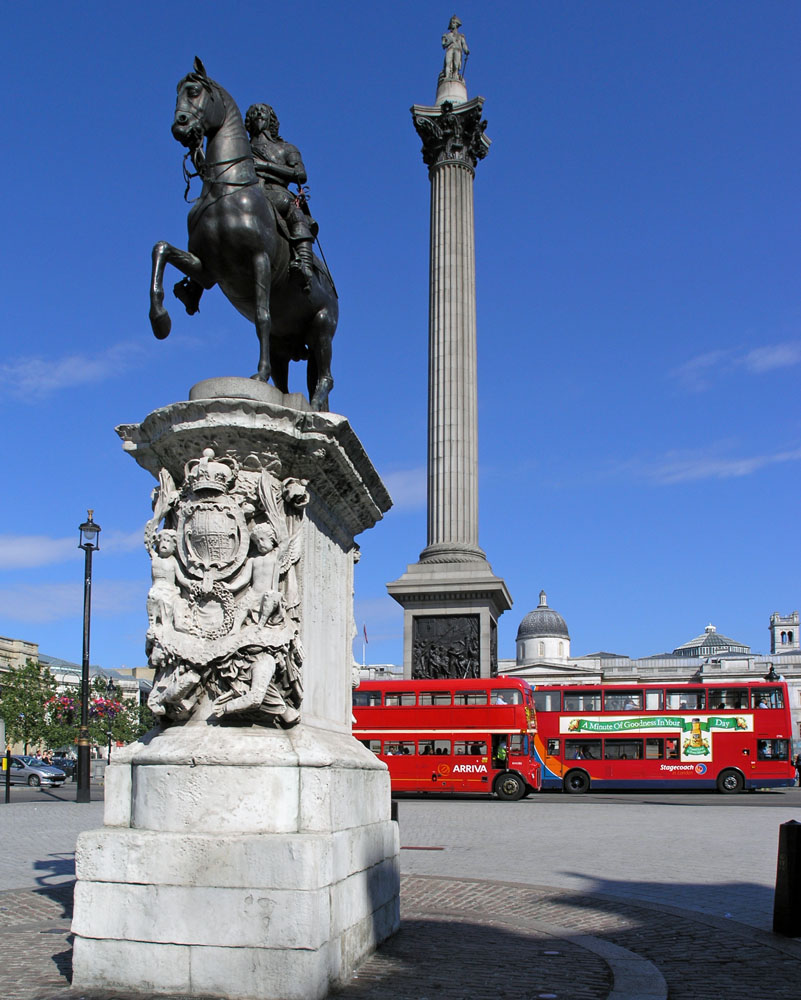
(25, 694)
(125, 719)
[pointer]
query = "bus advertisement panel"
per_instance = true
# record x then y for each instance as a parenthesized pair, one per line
(728, 737)
(451, 735)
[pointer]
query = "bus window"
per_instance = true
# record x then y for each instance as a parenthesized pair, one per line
(547, 701)
(654, 748)
(470, 698)
(767, 698)
(435, 697)
(672, 749)
(583, 749)
(623, 750)
(396, 748)
(518, 743)
(654, 701)
(773, 750)
(506, 696)
(553, 748)
(583, 701)
(429, 748)
(366, 697)
(399, 698)
(475, 748)
(720, 698)
(374, 745)
(681, 699)
(623, 701)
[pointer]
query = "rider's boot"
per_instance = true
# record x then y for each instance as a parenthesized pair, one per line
(303, 263)
(188, 291)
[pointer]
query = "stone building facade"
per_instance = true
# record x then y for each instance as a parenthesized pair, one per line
(709, 657)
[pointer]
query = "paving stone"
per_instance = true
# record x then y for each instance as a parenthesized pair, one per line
(504, 935)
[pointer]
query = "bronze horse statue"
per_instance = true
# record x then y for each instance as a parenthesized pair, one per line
(235, 242)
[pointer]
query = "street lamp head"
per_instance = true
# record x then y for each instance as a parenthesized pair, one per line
(89, 534)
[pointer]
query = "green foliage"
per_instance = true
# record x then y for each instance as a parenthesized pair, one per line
(24, 696)
(122, 717)
(41, 716)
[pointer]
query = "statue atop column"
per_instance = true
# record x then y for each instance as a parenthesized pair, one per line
(454, 43)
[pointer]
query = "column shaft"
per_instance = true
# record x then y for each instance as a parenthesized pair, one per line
(452, 414)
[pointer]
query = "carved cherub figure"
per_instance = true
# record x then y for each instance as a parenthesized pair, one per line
(263, 601)
(167, 574)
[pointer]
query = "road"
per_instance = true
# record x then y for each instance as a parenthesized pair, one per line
(711, 853)
(597, 891)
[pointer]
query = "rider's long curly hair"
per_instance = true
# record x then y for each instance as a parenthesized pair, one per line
(268, 112)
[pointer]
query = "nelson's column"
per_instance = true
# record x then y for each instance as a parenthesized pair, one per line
(451, 598)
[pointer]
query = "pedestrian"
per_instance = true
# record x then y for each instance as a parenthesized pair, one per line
(797, 763)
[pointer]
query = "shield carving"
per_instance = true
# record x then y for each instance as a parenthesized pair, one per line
(213, 537)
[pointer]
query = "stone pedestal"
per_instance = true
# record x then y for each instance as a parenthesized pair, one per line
(241, 860)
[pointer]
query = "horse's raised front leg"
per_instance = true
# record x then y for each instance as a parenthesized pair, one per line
(188, 264)
(261, 282)
(319, 379)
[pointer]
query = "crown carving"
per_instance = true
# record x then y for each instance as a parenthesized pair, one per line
(210, 474)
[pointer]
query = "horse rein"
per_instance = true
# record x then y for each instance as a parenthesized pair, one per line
(205, 167)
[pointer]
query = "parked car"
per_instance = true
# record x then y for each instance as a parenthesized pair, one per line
(27, 770)
(66, 764)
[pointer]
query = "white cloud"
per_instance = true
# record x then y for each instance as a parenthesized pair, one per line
(696, 373)
(52, 602)
(768, 359)
(407, 487)
(699, 373)
(684, 467)
(31, 378)
(29, 551)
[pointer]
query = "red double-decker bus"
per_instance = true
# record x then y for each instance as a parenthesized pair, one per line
(728, 736)
(451, 735)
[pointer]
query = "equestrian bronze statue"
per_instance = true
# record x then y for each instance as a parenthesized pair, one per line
(241, 239)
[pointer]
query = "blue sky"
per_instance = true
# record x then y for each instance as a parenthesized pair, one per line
(637, 227)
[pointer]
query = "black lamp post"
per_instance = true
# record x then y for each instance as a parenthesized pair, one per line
(89, 542)
(111, 691)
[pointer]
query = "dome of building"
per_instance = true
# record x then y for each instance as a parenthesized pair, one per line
(711, 643)
(542, 622)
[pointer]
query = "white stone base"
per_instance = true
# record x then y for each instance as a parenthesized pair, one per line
(254, 864)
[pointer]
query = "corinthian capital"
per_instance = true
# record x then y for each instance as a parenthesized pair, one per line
(452, 133)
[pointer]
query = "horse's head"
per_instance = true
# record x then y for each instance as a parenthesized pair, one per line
(200, 108)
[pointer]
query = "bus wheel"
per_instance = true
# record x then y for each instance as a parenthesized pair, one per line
(510, 787)
(730, 782)
(576, 782)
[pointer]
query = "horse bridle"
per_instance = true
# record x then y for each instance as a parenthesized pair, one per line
(203, 173)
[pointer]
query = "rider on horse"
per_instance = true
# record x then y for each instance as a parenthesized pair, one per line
(278, 164)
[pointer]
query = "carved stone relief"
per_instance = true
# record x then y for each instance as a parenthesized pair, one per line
(446, 646)
(224, 608)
